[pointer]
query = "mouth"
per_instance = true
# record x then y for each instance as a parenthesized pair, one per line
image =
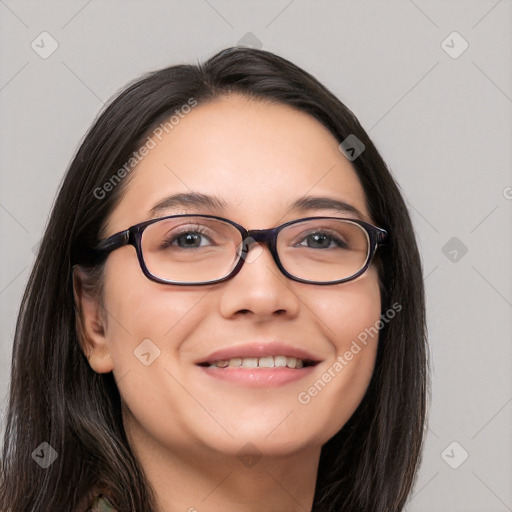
(277, 361)
(260, 364)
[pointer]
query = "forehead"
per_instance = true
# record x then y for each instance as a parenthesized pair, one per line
(255, 156)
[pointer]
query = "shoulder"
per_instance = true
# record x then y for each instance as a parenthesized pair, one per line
(96, 500)
(102, 504)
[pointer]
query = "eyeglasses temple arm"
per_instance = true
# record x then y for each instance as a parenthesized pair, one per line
(105, 247)
(382, 236)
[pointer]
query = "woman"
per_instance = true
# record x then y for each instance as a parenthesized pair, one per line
(227, 309)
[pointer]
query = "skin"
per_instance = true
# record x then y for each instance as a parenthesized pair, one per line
(186, 428)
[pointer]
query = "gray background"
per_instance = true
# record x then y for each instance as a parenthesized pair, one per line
(443, 124)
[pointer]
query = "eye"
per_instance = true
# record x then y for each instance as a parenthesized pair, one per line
(322, 240)
(190, 239)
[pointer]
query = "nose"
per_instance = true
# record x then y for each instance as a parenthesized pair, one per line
(259, 290)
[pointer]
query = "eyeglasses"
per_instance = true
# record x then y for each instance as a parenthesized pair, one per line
(205, 249)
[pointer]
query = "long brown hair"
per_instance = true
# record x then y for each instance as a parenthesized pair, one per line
(55, 396)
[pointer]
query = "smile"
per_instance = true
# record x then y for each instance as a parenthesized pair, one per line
(261, 362)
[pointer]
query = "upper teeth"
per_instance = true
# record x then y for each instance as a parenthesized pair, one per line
(260, 362)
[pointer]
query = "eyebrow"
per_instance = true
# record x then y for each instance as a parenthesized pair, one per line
(324, 203)
(188, 200)
(195, 200)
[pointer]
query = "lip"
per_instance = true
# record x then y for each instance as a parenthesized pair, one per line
(257, 377)
(260, 349)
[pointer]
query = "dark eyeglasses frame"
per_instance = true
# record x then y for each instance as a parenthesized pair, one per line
(133, 236)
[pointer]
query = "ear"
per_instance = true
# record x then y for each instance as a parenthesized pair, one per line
(91, 322)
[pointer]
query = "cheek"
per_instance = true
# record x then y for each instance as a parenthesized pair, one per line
(348, 317)
(139, 310)
(348, 310)
(147, 325)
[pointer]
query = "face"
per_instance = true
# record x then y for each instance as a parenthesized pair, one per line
(257, 159)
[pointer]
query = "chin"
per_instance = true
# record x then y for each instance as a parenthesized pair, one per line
(258, 442)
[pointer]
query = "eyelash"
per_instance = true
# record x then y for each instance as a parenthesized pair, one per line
(169, 239)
